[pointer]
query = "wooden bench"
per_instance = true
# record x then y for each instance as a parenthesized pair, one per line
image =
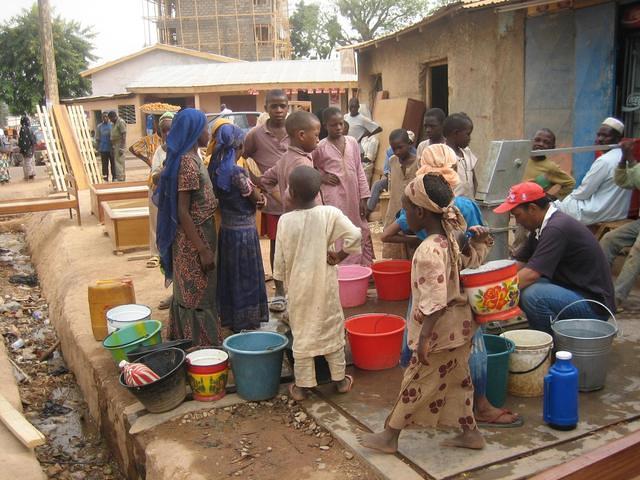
(107, 192)
(44, 204)
(127, 223)
(601, 229)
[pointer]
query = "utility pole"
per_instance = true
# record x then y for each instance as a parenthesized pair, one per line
(48, 57)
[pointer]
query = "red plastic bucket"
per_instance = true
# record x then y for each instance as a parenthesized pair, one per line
(393, 279)
(354, 282)
(375, 339)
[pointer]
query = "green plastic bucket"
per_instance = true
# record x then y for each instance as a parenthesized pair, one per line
(127, 339)
(498, 351)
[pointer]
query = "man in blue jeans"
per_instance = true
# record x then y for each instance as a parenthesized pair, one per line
(560, 263)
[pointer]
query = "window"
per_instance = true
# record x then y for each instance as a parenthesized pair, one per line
(263, 33)
(172, 36)
(127, 113)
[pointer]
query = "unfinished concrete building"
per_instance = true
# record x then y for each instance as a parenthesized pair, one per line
(244, 29)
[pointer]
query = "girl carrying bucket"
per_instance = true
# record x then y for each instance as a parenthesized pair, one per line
(437, 388)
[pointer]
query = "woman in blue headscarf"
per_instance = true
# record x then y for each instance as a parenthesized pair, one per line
(186, 232)
(242, 296)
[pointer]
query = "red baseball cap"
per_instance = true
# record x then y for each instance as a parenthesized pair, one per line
(520, 193)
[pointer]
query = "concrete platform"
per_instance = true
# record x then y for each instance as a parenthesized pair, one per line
(605, 415)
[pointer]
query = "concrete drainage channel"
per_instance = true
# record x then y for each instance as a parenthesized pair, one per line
(50, 397)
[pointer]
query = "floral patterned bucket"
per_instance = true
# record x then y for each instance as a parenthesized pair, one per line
(493, 290)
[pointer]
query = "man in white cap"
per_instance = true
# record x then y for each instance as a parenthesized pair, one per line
(598, 198)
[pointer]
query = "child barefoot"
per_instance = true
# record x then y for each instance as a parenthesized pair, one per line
(437, 388)
(306, 262)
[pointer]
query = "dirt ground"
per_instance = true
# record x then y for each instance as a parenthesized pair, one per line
(273, 440)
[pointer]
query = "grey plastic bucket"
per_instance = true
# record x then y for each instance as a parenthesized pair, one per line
(589, 340)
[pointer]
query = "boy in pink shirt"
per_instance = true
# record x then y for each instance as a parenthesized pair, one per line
(303, 129)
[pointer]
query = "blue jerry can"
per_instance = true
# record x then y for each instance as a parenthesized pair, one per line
(560, 409)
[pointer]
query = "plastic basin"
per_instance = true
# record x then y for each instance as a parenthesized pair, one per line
(393, 279)
(139, 334)
(171, 389)
(354, 282)
(124, 315)
(375, 340)
(256, 362)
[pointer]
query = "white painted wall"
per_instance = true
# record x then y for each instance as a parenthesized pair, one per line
(114, 79)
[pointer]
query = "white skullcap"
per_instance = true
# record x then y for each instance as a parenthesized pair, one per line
(614, 123)
(412, 136)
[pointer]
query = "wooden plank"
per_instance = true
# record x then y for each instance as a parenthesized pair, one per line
(19, 426)
(617, 459)
(70, 146)
(63, 163)
(96, 165)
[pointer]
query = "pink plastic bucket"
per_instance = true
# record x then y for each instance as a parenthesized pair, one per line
(353, 281)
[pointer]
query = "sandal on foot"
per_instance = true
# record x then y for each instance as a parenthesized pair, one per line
(493, 423)
(349, 386)
(268, 278)
(278, 304)
(153, 262)
(166, 303)
(298, 397)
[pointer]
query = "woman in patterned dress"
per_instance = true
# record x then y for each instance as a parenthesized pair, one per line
(186, 232)
(437, 389)
(242, 295)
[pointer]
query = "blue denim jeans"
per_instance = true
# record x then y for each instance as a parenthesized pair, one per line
(376, 190)
(543, 300)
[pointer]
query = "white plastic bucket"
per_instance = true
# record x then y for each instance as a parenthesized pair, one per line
(529, 362)
(124, 315)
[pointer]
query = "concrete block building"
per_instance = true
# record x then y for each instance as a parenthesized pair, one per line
(243, 29)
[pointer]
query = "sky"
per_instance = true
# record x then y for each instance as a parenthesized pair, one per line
(118, 24)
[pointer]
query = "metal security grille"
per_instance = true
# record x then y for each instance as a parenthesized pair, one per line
(127, 113)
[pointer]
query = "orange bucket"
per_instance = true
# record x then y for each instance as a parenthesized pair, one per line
(393, 279)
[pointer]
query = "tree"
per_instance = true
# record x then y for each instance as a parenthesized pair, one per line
(314, 34)
(21, 77)
(372, 18)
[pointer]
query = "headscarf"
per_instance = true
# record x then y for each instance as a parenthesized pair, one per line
(452, 220)
(229, 140)
(440, 158)
(185, 130)
(217, 123)
(165, 115)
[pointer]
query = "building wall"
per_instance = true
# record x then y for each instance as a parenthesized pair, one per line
(113, 80)
(484, 51)
(215, 27)
(134, 130)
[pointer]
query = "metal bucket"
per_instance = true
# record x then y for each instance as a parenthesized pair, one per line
(589, 340)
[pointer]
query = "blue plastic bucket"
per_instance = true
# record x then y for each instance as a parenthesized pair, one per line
(256, 362)
(498, 351)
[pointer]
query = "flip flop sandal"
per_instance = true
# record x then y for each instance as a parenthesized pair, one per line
(350, 378)
(278, 304)
(153, 262)
(166, 303)
(493, 423)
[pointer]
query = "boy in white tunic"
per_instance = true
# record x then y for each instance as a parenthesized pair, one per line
(306, 262)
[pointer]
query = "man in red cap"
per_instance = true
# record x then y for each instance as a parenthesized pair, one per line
(560, 263)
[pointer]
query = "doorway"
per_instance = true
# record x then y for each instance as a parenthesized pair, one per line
(438, 85)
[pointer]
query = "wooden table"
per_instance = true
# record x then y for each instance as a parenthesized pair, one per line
(127, 223)
(107, 192)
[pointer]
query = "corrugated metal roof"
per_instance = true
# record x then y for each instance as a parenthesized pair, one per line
(435, 15)
(246, 74)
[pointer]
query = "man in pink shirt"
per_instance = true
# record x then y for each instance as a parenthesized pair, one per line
(266, 144)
